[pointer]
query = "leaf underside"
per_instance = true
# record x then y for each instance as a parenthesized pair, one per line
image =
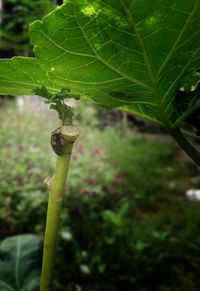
(131, 54)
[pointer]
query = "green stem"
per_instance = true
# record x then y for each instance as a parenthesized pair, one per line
(56, 192)
(190, 134)
(190, 149)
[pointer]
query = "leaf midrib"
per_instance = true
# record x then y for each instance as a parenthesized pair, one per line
(141, 43)
(98, 57)
(17, 263)
(146, 61)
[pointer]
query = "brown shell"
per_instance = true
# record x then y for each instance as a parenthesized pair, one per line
(57, 142)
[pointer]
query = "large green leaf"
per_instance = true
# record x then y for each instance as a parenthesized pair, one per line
(20, 75)
(133, 54)
(19, 263)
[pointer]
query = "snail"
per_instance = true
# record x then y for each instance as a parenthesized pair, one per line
(57, 142)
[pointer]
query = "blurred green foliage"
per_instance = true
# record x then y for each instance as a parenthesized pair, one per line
(20, 263)
(16, 15)
(125, 225)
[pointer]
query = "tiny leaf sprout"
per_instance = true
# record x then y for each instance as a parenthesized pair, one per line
(56, 102)
(65, 112)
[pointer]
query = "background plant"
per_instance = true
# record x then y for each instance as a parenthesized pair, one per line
(19, 262)
(14, 30)
(150, 228)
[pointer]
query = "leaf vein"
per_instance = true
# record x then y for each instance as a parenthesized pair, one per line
(182, 71)
(182, 31)
(104, 61)
(63, 49)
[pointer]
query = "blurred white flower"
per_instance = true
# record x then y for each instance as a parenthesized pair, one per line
(193, 194)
